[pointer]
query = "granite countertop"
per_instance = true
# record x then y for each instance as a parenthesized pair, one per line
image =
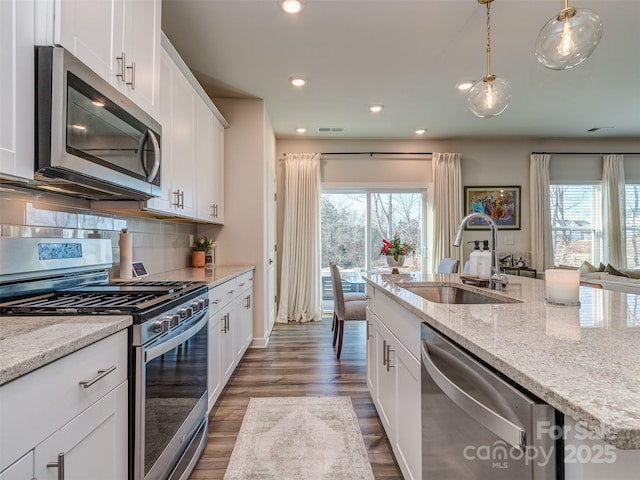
(584, 361)
(28, 343)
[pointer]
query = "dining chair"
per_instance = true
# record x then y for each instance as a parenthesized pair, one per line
(354, 309)
(348, 296)
(448, 265)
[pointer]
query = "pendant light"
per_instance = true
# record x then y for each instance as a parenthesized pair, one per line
(491, 96)
(569, 38)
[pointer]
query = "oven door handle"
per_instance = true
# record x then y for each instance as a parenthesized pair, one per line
(173, 342)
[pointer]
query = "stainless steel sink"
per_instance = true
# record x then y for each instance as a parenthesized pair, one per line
(449, 294)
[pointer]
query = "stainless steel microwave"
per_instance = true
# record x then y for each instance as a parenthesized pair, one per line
(91, 140)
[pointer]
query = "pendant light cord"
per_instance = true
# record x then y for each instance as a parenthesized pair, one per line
(489, 39)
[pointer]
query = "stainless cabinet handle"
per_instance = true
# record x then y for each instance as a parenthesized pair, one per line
(217, 301)
(508, 431)
(181, 197)
(242, 284)
(227, 322)
(384, 352)
(123, 70)
(230, 292)
(132, 83)
(368, 334)
(101, 374)
(59, 465)
(389, 366)
(213, 210)
(177, 202)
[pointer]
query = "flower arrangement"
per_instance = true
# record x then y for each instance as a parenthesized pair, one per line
(396, 248)
(203, 244)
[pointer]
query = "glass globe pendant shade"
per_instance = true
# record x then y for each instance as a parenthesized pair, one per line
(569, 38)
(490, 97)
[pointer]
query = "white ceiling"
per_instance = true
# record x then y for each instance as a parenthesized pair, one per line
(408, 55)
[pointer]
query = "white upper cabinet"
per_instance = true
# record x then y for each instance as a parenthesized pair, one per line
(209, 164)
(178, 117)
(118, 39)
(16, 89)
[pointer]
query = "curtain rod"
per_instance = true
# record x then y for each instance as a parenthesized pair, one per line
(586, 153)
(371, 154)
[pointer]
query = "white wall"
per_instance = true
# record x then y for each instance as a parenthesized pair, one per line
(485, 162)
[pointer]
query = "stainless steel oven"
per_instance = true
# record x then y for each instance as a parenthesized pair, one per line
(171, 392)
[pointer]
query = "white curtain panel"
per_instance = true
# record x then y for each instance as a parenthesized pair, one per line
(613, 208)
(541, 244)
(448, 209)
(300, 299)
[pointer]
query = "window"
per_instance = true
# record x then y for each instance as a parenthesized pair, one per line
(352, 226)
(632, 213)
(576, 224)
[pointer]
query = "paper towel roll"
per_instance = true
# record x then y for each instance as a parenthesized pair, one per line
(126, 254)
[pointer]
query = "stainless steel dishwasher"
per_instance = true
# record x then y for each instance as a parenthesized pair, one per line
(475, 425)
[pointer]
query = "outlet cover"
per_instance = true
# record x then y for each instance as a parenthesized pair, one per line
(508, 239)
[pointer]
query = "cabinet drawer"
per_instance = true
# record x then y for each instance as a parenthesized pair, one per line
(244, 281)
(34, 406)
(401, 322)
(221, 295)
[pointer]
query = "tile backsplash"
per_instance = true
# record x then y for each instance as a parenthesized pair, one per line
(162, 245)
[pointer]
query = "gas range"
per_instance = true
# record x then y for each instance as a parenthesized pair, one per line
(142, 300)
(168, 362)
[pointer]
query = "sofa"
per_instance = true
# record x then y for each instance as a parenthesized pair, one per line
(611, 278)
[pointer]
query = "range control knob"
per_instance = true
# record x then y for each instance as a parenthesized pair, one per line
(184, 313)
(175, 319)
(161, 325)
(196, 306)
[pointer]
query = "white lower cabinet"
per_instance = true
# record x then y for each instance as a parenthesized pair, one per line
(230, 330)
(393, 375)
(21, 470)
(74, 410)
(92, 445)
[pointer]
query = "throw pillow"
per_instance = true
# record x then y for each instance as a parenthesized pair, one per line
(587, 267)
(614, 271)
(602, 267)
(632, 273)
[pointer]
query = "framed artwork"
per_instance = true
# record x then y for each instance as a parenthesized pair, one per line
(502, 204)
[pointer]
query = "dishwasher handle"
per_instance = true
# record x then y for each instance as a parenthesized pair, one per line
(496, 423)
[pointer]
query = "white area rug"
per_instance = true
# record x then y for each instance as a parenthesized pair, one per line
(302, 438)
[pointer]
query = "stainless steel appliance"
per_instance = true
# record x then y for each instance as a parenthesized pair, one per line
(169, 344)
(91, 140)
(476, 425)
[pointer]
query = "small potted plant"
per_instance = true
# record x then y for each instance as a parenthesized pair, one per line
(395, 251)
(200, 248)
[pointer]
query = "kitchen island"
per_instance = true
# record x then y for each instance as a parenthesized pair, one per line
(584, 361)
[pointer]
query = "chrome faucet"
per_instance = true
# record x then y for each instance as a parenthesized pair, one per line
(496, 281)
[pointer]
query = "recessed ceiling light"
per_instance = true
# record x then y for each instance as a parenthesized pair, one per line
(421, 131)
(301, 130)
(465, 85)
(376, 107)
(291, 6)
(297, 81)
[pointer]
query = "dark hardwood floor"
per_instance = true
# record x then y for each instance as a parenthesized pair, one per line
(298, 361)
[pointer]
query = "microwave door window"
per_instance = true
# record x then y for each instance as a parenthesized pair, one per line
(97, 134)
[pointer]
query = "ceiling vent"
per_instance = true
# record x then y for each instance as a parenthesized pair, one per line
(330, 129)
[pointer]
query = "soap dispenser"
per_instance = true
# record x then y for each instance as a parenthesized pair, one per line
(473, 259)
(484, 262)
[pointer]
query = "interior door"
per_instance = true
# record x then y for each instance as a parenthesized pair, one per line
(271, 243)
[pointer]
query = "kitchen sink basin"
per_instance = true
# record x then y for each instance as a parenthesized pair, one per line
(449, 294)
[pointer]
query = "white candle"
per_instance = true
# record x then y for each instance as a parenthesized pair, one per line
(562, 286)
